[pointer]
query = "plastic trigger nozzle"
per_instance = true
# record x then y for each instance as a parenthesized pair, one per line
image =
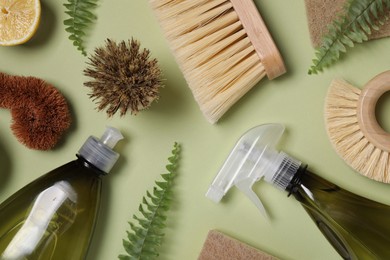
(253, 157)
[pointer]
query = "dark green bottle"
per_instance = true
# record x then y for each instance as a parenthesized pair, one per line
(358, 228)
(54, 216)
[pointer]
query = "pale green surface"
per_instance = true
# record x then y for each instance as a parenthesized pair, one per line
(296, 99)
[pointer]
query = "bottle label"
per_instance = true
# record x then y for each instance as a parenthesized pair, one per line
(35, 228)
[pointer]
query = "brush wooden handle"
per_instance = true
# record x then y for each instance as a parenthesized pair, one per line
(260, 37)
(369, 97)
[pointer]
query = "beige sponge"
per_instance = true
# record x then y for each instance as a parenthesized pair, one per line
(218, 246)
(320, 13)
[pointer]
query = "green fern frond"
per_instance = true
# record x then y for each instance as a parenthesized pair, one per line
(145, 237)
(360, 17)
(81, 17)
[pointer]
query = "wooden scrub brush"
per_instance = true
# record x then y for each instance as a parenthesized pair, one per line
(40, 113)
(353, 129)
(222, 47)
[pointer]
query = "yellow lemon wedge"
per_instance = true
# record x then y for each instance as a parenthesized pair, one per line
(19, 20)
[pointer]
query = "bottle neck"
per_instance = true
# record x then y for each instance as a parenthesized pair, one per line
(295, 183)
(98, 153)
(89, 165)
(282, 170)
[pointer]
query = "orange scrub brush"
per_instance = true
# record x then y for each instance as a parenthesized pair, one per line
(222, 47)
(39, 111)
(353, 129)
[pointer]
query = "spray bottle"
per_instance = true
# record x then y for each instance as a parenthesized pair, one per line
(54, 216)
(358, 228)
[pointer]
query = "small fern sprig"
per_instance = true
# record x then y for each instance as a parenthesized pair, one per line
(81, 17)
(145, 238)
(360, 17)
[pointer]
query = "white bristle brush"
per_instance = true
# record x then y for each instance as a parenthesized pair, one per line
(222, 47)
(353, 128)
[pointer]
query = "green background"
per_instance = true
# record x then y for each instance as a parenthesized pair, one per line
(295, 99)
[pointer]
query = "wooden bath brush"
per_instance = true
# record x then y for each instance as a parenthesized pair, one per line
(353, 128)
(40, 113)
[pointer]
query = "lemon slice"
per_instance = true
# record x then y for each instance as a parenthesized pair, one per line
(19, 20)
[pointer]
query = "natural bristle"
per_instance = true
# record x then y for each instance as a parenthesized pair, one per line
(343, 129)
(123, 77)
(212, 49)
(40, 113)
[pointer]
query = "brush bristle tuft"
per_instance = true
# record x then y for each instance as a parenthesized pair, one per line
(40, 113)
(213, 51)
(346, 136)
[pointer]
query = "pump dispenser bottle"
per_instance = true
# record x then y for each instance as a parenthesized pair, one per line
(54, 216)
(358, 228)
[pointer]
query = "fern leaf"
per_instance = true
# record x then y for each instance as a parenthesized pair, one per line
(145, 237)
(354, 26)
(80, 18)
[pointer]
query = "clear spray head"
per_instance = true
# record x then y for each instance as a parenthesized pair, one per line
(99, 152)
(254, 157)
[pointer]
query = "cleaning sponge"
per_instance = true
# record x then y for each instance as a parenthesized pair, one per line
(320, 13)
(218, 246)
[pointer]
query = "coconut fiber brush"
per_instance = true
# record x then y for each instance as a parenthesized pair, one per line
(353, 129)
(40, 113)
(222, 47)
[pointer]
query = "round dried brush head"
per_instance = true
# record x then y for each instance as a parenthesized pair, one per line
(123, 77)
(39, 111)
